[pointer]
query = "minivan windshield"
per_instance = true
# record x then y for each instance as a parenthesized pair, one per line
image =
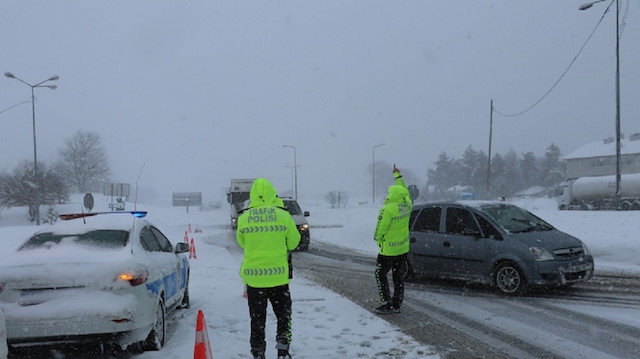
(513, 219)
(292, 207)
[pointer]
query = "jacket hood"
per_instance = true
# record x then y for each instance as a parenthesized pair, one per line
(262, 193)
(397, 194)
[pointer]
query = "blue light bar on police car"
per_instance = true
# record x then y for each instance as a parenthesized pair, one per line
(68, 216)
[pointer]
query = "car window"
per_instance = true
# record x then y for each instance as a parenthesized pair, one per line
(98, 238)
(461, 221)
(149, 241)
(488, 229)
(428, 220)
(164, 242)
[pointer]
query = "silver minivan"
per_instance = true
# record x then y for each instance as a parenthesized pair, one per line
(496, 243)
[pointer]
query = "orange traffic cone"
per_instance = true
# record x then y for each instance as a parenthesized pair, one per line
(189, 228)
(202, 348)
(186, 237)
(192, 250)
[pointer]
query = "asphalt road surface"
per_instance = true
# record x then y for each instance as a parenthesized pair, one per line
(461, 320)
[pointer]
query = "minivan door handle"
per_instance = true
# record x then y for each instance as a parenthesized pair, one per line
(446, 244)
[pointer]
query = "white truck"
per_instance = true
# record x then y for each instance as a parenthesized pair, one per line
(236, 196)
(599, 193)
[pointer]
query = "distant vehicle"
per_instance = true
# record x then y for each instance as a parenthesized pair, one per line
(238, 193)
(598, 193)
(4, 351)
(496, 243)
(95, 278)
(299, 217)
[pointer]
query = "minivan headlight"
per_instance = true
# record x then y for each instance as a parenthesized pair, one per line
(541, 254)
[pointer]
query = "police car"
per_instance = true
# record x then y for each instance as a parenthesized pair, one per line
(103, 278)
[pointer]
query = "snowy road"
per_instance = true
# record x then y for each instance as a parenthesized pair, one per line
(599, 319)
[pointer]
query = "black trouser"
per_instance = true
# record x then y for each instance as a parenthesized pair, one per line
(280, 299)
(398, 267)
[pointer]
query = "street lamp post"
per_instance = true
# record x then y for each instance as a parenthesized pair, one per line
(618, 166)
(35, 153)
(373, 170)
(295, 171)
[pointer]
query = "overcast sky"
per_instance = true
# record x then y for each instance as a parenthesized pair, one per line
(201, 91)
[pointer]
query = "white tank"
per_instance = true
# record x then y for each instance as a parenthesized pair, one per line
(593, 188)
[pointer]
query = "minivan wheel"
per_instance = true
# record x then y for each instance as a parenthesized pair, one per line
(509, 279)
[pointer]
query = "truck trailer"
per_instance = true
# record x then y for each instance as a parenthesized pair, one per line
(236, 196)
(599, 193)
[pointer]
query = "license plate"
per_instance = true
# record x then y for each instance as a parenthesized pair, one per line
(579, 268)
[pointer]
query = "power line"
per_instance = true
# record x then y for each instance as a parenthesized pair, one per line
(563, 74)
(16, 105)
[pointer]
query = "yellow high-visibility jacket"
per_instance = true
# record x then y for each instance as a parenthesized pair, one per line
(266, 233)
(392, 229)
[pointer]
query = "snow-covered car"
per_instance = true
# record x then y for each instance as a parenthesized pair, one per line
(494, 242)
(96, 278)
(4, 351)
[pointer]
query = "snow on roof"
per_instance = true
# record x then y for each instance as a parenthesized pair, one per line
(117, 220)
(602, 148)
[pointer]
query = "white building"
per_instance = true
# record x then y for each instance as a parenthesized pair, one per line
(599, 158)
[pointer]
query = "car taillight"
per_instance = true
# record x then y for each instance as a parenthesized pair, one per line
(134, 279)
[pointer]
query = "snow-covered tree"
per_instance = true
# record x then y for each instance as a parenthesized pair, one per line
(19, 188)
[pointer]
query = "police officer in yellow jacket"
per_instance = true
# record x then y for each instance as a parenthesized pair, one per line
(392, 236)
(267, 233)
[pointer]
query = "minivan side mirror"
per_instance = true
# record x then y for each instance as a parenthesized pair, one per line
(497, 237)
(413, 191)
(306, 213)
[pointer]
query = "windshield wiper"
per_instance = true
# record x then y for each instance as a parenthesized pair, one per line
(532, 226)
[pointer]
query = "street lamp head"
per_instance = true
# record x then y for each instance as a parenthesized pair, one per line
(53, 78)
(589, 4)
(10, 75)
(53, 87)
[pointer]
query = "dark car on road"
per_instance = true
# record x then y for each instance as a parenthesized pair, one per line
(494, 242)
(299, 217)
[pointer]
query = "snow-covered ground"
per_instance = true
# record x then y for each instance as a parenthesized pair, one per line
(325, 325)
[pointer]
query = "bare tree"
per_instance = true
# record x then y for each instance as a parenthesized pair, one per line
(83, 161)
